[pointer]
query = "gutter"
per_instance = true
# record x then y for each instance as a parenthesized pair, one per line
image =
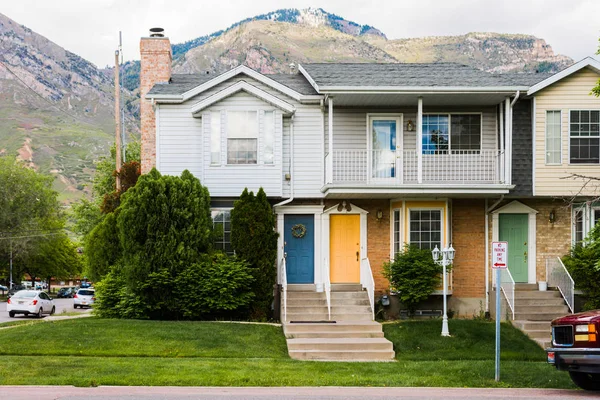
(291, 198)
(487, 252)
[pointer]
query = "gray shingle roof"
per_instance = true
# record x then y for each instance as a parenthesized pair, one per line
(411, 75)
(181, 83)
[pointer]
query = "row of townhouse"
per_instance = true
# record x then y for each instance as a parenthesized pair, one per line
(360, 159)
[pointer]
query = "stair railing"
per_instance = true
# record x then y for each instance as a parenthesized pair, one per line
(368, 283)
(507, 285)
(558, 277)
(327, 284)
(283, 281)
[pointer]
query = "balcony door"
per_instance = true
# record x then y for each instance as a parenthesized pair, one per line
(384, 139)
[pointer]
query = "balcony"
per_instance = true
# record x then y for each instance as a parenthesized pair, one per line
(384, 168)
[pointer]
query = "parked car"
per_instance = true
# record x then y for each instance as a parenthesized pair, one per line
(576, 348)
(30, 302)
(15, 289)
(66, 293)
(3, 289)
(85, 285)
(84, 298)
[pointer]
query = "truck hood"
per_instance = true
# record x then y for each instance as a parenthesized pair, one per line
(582, 317)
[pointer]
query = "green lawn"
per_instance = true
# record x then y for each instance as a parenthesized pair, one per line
(92, 351)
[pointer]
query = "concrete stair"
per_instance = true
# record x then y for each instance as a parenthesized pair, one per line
(350, 335)
(534, 310)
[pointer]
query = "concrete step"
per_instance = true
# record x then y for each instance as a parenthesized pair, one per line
(349, 295)
(538, 316)
(532, 325)
(346, 287)
(323, 302)
(539, 334)
(302, 287)
(553, 301)
(345, 309)
(334, 334)
(544, 343)
(322, 316)
(549, 294)
(542, 309)
(526, 286)
(331, 344)
(306, 295)
(340, 326)
(343, 355)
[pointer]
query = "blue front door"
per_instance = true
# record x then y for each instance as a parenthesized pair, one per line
(299, 247)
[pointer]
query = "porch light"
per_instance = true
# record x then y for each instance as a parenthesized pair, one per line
(410, 126)
(435, 253)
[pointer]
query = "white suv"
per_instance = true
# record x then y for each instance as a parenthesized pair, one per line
(84, 298)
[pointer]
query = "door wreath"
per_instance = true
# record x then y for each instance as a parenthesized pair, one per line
(298, 231)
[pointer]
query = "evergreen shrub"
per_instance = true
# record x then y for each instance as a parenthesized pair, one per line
(583, 263)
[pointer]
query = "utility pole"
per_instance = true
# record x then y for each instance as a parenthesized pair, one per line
(123, 139)
(117, 119)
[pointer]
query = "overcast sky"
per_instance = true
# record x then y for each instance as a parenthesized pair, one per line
(90, 28)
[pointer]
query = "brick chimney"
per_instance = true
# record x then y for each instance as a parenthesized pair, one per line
(155, 67)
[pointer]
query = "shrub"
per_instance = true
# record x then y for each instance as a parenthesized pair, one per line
(583, 263)
(254, 239)
(102, 248)
(414, 275)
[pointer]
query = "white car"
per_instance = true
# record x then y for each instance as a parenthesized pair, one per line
(31, 302)
(84, 298)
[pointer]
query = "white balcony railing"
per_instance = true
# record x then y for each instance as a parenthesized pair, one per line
(558, 277)
(368, 283)
(507, 285)
(402, 167)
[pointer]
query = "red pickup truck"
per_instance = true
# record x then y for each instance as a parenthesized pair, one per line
(576, 348)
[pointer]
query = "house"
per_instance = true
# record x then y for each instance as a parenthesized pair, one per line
(359, 159)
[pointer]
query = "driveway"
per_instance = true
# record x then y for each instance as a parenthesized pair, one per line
(62, 306)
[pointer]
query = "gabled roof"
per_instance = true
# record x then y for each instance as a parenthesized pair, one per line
(246, 87)
(185, 86)
(587, 62)
(410, 77)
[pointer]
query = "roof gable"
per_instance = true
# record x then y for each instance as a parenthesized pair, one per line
(587, 62)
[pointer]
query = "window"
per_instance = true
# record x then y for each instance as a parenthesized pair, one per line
(242, 137)
(269, 137)
(397, 244)
(584, 131)
(578, 225)
(215, 137)
(425, 228)
(222, 225)
(553, 145)
(451, 132)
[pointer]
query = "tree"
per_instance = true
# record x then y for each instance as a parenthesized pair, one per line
(583, 263)
(254, 239)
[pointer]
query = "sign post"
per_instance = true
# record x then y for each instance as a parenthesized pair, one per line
(499, 262)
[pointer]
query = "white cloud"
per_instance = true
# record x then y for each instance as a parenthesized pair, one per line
(90, 28)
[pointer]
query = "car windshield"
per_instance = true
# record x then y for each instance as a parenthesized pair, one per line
(25, 294)
(86, 292)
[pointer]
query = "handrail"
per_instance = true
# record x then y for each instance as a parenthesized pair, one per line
(558, 276)
(283, 278)
(368, 283)
(508, 289)
(327, 284)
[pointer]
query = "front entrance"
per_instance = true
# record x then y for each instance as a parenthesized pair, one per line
(299, 248)
(344, 248)
(513, 228)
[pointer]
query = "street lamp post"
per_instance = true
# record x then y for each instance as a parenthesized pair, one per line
(447, 257)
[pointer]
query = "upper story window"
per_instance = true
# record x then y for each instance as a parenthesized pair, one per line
(584, 136)
(553, 139)
(454, 133)
(242, 137)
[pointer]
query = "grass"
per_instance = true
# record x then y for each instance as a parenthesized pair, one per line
(93, 351)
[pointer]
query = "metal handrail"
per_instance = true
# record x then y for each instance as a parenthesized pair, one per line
(327, 284)
(283, 278)
(558, 276)
(368, 283)
(509, 294)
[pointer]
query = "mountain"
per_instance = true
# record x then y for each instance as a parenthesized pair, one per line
(57, 109)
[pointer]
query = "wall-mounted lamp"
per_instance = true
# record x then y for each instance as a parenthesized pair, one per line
(379, 215)
(344, 206)
(410, 126)
(552, 217)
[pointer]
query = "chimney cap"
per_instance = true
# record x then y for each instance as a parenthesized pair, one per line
(157, 32)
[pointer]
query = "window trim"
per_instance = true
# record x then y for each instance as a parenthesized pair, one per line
(569, 135)
(560, 137)
(449, 114)
(442, 222)
(222, 209)
(399, 118)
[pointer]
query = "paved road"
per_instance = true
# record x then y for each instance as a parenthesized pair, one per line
(291, 393)
(62, 305)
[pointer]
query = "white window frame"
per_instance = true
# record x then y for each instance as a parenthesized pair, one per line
(442, 222)
(559, 137)
(450, 114)
(223, 209)
(399, 118)
(584, 137)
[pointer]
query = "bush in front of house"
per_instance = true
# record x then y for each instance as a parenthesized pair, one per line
(414, 275)
(102, 248)
(254, 239)
(583, 263)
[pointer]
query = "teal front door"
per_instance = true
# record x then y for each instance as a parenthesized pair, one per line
(299, 247)
(514, 230)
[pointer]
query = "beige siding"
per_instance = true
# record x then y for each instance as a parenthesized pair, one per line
(571, 93)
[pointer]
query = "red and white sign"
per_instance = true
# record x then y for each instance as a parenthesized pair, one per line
(499, 254)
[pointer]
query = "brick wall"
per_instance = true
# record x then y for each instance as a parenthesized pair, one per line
(468, 239)
(155, 67)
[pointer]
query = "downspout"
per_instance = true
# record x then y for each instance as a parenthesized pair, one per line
(487, 252)
(291, 198)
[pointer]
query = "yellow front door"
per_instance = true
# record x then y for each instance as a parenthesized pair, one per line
(344, 248)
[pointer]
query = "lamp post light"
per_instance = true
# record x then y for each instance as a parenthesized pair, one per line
(447, 257)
